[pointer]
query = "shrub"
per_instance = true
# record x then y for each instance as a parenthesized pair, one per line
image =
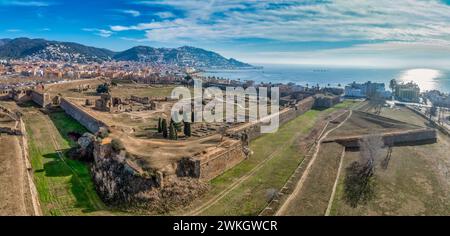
(103, 88)
(103, 132)
(117, 145)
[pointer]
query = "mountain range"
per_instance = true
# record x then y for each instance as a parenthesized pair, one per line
(41, 49)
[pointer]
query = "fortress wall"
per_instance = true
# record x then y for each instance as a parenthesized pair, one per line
(254, 130)
(10, 131)
(412, 137)
(222, 161)
(21, 97)
(438, 126)
(118, 181)
(9, 112)
(13, 116)
(219, 162)
(304, 105)
(72, 84)
(88, 121)
(5, 95)
(42, 99)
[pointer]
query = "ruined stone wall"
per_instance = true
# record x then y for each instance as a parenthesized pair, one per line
(142, 100)
(412, 137)
(304, 105)
(73, 84)
(88, 121)
(42, 99)
(5, 95)
(118, 181)
(21, 96)
(218, 162)
(254, 130)
(10, 131)
(222, 161)
(14, 117)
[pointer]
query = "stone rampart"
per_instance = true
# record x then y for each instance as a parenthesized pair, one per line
(88, 121)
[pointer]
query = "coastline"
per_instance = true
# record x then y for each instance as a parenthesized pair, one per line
(329, 76)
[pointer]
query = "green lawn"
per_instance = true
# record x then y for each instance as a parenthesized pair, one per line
(250, 197)
(64, 185)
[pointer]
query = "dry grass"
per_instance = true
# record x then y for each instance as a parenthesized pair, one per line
(284, 147)
(316, 191)
(15, 198)
(416, 181)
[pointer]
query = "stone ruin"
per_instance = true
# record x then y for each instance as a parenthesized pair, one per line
(83, 88)
(109, 104)
(148, 102)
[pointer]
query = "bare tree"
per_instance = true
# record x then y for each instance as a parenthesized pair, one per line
(359, 181)
(370, 150)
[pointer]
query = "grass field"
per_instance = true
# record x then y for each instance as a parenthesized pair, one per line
(252, 195)
(64, 185)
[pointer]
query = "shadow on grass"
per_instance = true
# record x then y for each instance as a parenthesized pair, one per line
(320, 108)
(28, 104)
(66, 125)
(81, 184)
(56, 167)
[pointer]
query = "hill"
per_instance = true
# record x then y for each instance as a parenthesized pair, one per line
(41, 49)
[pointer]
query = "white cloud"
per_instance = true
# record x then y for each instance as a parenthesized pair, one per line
(393, 33)
(133, 13)
(165, 14)
(386, 55)
(100, 32)
(296, 21)
(25, 3)
(13, 30)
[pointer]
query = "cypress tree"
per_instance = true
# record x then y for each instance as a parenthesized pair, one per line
(159, 125)
(164, 128)
(176, 135)
(172, 131)
(187, 129)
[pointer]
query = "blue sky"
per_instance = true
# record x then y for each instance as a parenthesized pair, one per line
(383, 33)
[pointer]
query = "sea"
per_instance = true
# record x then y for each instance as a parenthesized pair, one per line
(426, 78)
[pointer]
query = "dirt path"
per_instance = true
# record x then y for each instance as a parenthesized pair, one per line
(17, 190)
(35, 204)
(299, 185)
(13, 191)
(333, 193)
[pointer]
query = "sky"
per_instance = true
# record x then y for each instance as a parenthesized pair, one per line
(371, 33)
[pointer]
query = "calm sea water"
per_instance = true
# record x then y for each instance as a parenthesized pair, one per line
(427, 79)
